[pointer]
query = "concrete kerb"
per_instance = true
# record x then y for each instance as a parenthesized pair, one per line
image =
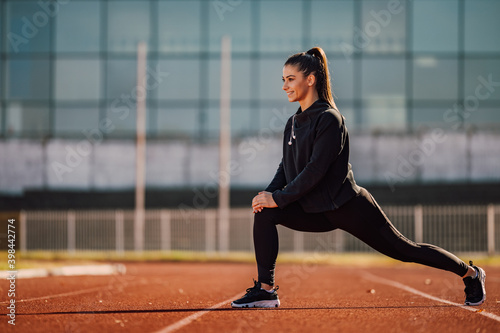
(74, 270)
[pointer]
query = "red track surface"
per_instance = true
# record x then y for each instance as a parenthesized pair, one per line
(314, 298)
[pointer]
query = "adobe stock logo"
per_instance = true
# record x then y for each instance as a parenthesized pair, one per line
(363, 37)
(248, 151)
(119, 110)
(407, 166)
(225, 6)
(31, 27)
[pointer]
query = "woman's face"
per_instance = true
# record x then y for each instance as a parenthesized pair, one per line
(295, 84)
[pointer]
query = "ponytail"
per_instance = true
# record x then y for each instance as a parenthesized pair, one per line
(314, 62)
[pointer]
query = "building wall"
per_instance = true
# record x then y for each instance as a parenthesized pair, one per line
(397, 65)
(400, 68)
(390, 160)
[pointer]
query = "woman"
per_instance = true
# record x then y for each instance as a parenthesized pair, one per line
(314, 190)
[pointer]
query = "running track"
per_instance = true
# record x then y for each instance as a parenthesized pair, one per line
(194, 297)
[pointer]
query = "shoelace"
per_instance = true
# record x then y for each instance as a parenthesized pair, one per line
(253, 289)
(256, 289)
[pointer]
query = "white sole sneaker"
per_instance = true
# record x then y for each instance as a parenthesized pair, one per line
(481, 275)
(258, 304)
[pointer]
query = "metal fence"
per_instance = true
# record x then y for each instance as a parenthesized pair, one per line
(455, 228)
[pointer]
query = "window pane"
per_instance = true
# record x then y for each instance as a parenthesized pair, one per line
(1, 119)
(73, 121)
(1, 31)
(123, 119)
(347, 110)
(27, 120)
(384, 78)
(478, 72)
(270, 84)
(383, 27)
(241, 122)
(78, 79)
(78, 27)
(175, 14)
(233, 20)
(435, 26)
(240, 79)
(122, 94)
(483, 117)
(384, 113)
(274, 115)
(175, 122)
(281, 26)
(342, 77)
(2, 91)
(211, 125)
(331, 24)
(482, 26)
(435, 78)
(183, 81)
(433, 117)
(28, 79)
(128, 25)
(122, 77)
(28, 27)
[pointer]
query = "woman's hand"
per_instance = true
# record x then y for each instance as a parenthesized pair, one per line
(263, 200)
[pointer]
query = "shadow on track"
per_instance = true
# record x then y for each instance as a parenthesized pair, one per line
(237, 309)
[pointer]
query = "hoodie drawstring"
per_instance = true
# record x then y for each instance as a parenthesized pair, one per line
(292, 133)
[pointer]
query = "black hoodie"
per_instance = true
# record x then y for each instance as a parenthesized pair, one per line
(315, 169)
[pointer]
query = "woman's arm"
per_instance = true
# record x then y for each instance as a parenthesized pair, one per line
(264, 198)
(326, 147)
(279, 180)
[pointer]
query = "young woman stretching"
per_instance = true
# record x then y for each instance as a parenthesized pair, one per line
(314, 190)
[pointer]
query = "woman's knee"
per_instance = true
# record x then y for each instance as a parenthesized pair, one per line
(266, 216)
(398, 246)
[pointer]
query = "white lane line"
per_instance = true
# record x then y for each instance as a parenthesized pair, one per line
(186, 321)
(391, 283)
(78, 292)
(71, 293)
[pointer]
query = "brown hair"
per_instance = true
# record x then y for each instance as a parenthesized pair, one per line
(314, 62)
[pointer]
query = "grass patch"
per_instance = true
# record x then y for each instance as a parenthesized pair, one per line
(48, 259)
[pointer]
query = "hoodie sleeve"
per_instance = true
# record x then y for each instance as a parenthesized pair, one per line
(279, 180)
(327, 145)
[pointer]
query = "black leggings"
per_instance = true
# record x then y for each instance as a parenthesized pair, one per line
(361, 217)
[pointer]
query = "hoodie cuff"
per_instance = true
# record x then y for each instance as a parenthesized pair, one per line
(278, 198)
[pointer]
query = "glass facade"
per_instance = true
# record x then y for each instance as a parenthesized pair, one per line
(397, 66)
(78, 27)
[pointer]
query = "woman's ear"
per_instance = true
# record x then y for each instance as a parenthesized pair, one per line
(311, 79)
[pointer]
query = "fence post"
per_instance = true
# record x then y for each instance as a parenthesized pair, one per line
(23, 232)
(119, 232)
(339, 238)
(210, 231)
(71, 231)
(225, 162)
(166, 238)
(419, 223)
(491, 229)
(298, 242)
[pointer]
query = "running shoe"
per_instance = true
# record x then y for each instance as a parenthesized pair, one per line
(475, 293)
(256, 297)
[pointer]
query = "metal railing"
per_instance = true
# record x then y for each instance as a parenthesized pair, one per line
(455, 228)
